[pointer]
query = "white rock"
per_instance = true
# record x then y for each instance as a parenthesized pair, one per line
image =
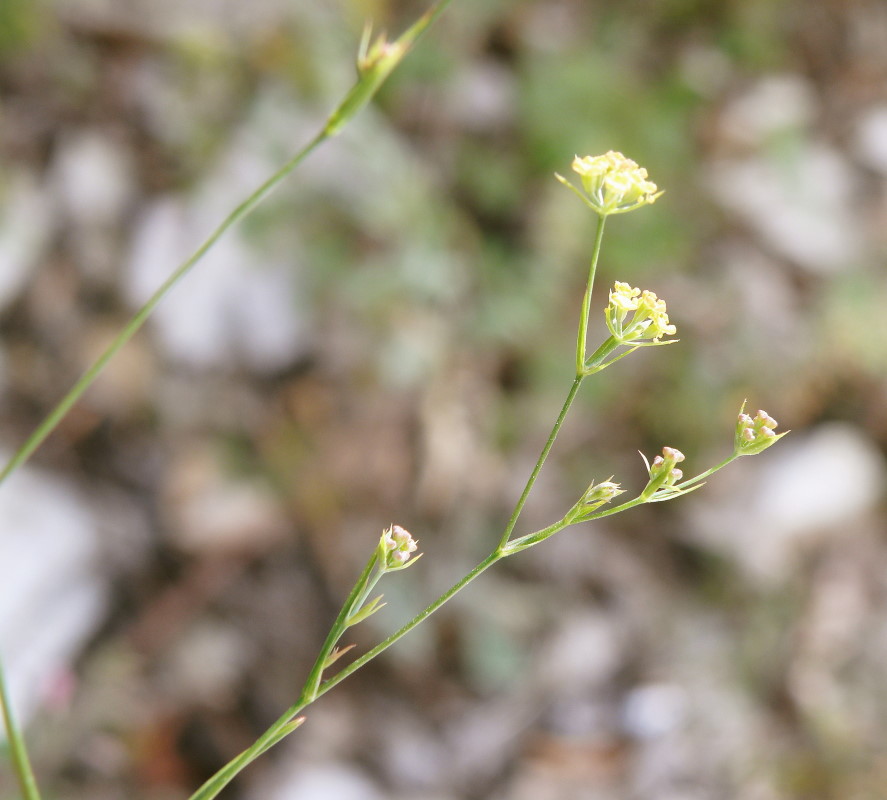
(654, 710)
(870, 138)
(296, 780)
(92, 178)
(776, 103)
(585, 651)
(802, 207)
(233, 306)
(52, 593)
(26, 223)
(809, 486)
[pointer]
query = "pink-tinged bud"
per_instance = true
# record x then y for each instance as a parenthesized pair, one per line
(396, 547)
(672, 454)
(754, 435)
(765, 420)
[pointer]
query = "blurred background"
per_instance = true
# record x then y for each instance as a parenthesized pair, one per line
(389, 339)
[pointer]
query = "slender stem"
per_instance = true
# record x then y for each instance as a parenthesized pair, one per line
(596, 361)
(577, 381)
(581, 372)
(57, 414)
(355, 665)
(17, 749)
(523, 542)
(586, 300)
(276, 732)
(703, 475)
(334, 123)
(352, 603)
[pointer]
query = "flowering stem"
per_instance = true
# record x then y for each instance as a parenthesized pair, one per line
(582, 371)
(289, 719)
(355, 600)
(703, 475)
(363, 90)
(334, 123)
(17, 750)
(491, 559)
(586, 300)
(52, 420)
(542, 456)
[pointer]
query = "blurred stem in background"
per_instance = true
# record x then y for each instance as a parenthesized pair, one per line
(375, 62)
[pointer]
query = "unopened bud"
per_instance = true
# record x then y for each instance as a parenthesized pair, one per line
(672, 454)
(396, 546)
(754, 435)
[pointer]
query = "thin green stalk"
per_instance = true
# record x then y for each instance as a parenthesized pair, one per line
(355, 599)
(17, 749)
(703, 475)
(586, 300)
(336, 120)
(581, 372)
(577, 381)
(276, 732)
(374, 67)
(596, 361)
(57, 414)
(355, 665)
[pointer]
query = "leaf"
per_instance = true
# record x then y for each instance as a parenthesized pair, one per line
(361, 614)
(336, 655)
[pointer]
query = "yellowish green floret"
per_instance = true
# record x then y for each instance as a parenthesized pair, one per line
(612, 183)
(649, 319)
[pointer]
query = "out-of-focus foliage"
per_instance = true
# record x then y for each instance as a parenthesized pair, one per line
(389, 339)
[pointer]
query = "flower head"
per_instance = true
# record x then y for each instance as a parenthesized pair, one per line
(754, 434)
(612, 183)
(396, 546)
(650, 318)
(663, 471)
(599, 494)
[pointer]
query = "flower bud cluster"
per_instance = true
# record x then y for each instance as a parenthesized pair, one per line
(595, 496)
(612, 183)
(380, 56)
(396, 547)
(649, 319)
(663, 471)
(754, 434)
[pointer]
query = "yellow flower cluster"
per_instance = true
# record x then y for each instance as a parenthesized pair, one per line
(612, 183)
(650, 318)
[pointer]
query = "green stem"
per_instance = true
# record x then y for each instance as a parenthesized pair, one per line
(577, 381)
(523, 542)
(703, 475)
(582, 370)
(343, 112)
(355, 665)
(17, 750)
(276, 732)
(355, 599)
(586, 300)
